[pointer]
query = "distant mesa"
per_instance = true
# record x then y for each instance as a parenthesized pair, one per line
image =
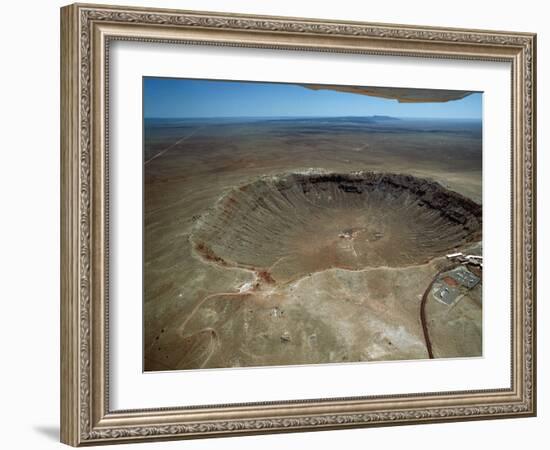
(402, 95)
(299, 223)
(378, 118)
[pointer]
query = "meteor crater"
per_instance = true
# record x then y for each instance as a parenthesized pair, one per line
(288, 226)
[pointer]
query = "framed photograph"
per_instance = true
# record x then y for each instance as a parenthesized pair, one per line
(276, 224)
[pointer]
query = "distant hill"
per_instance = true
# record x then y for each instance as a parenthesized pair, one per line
(384, 118)
(364, 119)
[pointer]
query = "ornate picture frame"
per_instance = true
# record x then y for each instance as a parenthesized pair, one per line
(86, 34)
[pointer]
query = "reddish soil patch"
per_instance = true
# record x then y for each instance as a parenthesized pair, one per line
(209, 254)
(266, 277)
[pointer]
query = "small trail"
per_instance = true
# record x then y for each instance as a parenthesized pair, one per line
(184, 138)
(181, 328)
(423, 319)
(212, 347)
(272, 266)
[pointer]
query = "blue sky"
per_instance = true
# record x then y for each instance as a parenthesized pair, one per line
(188, 98)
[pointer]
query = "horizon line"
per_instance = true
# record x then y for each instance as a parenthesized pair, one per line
(307, 117)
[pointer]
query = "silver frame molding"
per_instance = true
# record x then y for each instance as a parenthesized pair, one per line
(86, 32)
